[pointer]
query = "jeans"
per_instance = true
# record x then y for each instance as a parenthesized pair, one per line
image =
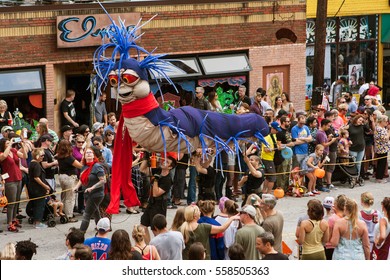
(191, 196)
(12, 192)
(358, 158)
(38, 209)
(282, 180)
(179, 183)
(92, 203)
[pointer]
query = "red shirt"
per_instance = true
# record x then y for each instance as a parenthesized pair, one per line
(11, 166)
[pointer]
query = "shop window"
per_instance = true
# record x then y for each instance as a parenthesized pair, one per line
(19, 81)
(223, 64)
(184, 67)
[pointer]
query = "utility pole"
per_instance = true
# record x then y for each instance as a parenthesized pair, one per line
(319, 51)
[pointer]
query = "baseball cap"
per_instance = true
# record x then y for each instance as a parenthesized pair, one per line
(66, 128)
(5, 128)
(103, 224)
(249, 209)
(328, 202)
(96, 126)
(276, 126)
(45, 137)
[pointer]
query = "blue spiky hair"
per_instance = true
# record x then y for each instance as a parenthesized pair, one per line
(121, 41)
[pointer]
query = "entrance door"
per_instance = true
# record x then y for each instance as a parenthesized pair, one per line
(386, 80)
(276, 79)
(82, 100)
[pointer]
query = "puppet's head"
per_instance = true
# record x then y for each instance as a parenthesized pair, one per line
(127, 75)
(129, 81)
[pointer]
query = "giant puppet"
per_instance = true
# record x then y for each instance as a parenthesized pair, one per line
(142, 120)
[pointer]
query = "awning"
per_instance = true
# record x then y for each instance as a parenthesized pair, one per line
(385, 34)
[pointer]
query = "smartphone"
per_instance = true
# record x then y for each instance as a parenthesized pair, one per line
(17, 140)
(25, 134)
(5, 176)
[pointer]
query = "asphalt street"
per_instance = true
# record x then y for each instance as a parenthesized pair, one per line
(51, 241)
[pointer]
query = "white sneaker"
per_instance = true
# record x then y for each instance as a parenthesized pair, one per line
(40, 226)
(331, 187)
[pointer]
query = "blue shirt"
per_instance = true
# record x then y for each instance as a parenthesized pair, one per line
(300, 132)
(100, 247)
(107, 154)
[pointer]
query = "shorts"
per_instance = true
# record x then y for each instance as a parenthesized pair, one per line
(330, 168)
(269, 168)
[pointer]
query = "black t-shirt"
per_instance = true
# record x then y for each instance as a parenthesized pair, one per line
(165, 182)
(49, 158)
(284, 136)
(207, 181)
(333, 146)
(67, 107)
(253, 182)
(66, 167)
(356, 134)
(34, 189)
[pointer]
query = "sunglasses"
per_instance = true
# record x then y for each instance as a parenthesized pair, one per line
(96, 144)
(80, 142)
(127, 79)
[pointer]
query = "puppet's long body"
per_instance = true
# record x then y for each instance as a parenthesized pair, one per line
(146, 130)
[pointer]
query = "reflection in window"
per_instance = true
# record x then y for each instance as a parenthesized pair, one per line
(30, 80)
(183, 67)
(225, 64)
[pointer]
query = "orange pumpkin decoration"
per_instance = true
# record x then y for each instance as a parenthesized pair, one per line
(279, 193)
(319, 173)
(3, 201)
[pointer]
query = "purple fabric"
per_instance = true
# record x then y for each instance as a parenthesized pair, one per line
(217, 124)
(322, 138)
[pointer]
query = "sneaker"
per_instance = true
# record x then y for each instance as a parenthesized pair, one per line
(20, 216)
(172, 207)
(16, 223)
(323, 189)
(331, 187)
(316, 192)
(72, 220)
(12, 228)
(40, 225)
(310, 194)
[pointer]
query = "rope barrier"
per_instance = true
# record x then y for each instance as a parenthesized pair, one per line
(228, 171)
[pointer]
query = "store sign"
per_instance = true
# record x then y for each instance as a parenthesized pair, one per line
(89, 30)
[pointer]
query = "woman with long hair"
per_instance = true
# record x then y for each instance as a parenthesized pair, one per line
(148, 252)
(37, 186)
(381, 147)
(356, 135)
(92, 181)
(193, 231)
(120, 247)
(278, 105)
(350, 235)
(314, 232)
(178, 219)
(213, 99)
(9, 163)
(67, 169)
(287, 105)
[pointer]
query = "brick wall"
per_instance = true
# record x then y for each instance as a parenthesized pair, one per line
(292, 55)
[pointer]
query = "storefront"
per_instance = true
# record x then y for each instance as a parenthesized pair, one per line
(357, 44)
(218, 46)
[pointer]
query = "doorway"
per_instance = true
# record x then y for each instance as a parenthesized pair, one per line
(82, 100)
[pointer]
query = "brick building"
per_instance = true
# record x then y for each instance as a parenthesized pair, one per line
(45, 50)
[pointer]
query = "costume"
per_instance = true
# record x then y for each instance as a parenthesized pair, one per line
(184, 129)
